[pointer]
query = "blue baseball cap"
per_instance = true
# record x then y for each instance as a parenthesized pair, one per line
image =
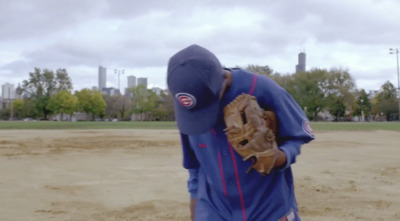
(195, 78)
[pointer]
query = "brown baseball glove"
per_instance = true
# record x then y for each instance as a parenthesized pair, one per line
(251, 131)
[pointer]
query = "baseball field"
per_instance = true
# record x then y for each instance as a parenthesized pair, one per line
(97, 172)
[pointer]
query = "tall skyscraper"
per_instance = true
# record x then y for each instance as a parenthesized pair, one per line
(131, 81)
(7, 91)
(102, 77)
(142, 81)
(301, 66)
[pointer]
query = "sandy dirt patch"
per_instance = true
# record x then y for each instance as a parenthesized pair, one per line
(137, 175)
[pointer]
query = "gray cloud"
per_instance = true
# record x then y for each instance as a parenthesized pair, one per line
(140, 36)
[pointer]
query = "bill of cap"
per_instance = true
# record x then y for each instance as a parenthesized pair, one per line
(196, 122)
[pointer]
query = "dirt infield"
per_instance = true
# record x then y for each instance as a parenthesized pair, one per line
(137, 175)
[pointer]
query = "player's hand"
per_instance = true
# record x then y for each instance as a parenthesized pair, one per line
(280, 159)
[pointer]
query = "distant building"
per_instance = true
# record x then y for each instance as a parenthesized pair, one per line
(110, 91)
(102, 78)
(142, 81)
(8, 94)
(301, 66)
(157, 90)
(131, 81)
(8, 91)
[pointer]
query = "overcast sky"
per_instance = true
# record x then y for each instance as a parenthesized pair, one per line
(140, 36)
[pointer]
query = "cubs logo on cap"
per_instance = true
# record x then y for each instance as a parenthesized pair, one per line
(187, 100)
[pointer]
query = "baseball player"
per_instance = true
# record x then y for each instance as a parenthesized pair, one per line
(220, 184)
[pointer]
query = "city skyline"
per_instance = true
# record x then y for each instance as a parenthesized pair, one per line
(142, 36)
(8, 90)
(131, 81)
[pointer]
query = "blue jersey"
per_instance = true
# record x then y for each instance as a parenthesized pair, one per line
(218, 178)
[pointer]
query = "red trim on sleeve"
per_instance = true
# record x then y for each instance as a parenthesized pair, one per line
(213, 131)
(221, 171)
(253, 85)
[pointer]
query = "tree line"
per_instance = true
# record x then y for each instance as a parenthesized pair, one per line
(47, 93)
(321, 93)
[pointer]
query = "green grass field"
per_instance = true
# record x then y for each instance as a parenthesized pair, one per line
(354, 126)
(63, 125)
(46, 125)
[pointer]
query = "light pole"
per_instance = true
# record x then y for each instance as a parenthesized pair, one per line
(362, 110)
(11, 104)
(119, 72)
(396, 51)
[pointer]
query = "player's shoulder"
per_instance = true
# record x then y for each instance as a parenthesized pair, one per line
(246, 75)
(241, 73)
(248, 82)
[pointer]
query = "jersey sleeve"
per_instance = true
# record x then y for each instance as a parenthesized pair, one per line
(189, 158)
(191, 163)
(192, 183)
(293, 126)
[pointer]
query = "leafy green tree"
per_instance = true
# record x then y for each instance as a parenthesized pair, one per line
(18, 108)
(263, 70)
(386, 101)
(340, 92)
(319, 89)
(117, 106)
(41, 85)
(63, 102)
(63, 81)
(309, 89)
(4, 114)
(28, 109)
(111, 110)
(21, 108)
(283, 80)
(164, 109)
(124, 105)
(143, 100)
(363, 104)
(337, 108)
(91, 102)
